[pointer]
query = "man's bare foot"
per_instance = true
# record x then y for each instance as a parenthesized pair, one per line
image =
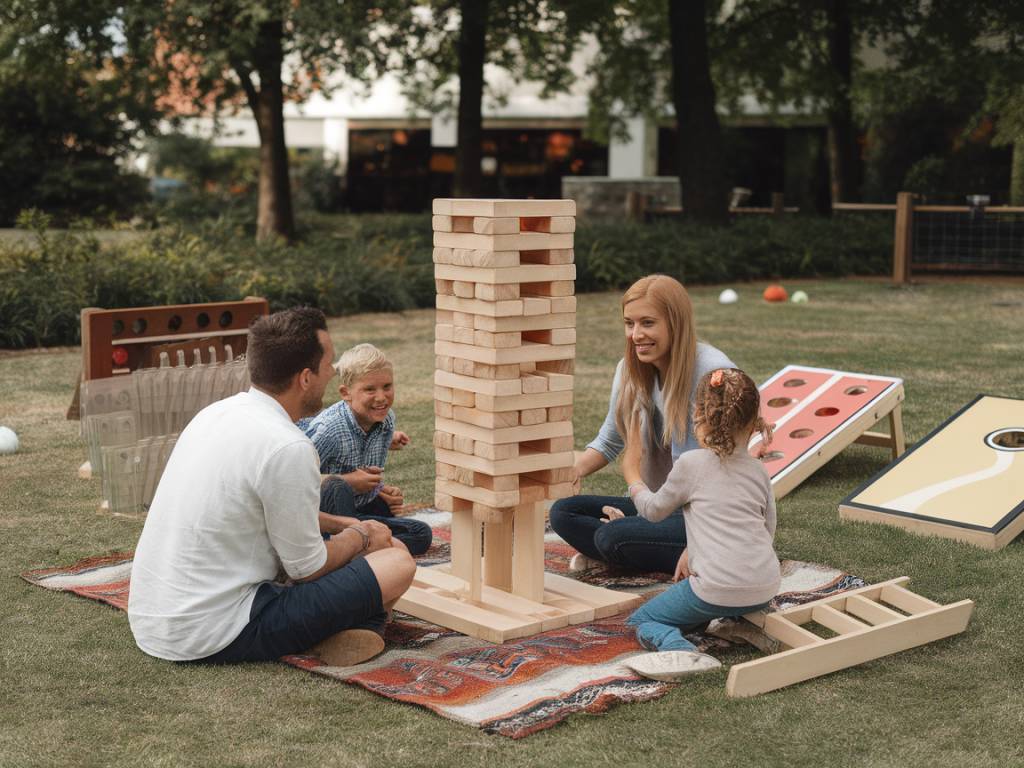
(352, 646)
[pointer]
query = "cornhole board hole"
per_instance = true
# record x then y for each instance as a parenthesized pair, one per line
(964, 481)
(866, 623)
(817, 412)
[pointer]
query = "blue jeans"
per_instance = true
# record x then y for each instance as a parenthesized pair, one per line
(338, 498)
(285, 620)
(632, 542)
(661, 621)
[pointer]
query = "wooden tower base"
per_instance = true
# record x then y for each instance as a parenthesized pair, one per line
(442, 598)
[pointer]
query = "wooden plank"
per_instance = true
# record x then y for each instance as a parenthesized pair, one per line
(470, 257)
(444, 440)
(490, 387)
(498, 554)
(465, 533)
(605, 602)
(551, 336)
(526, 353)
(524, 241)
(487, 292)
(461, 397)
(441, 223)
(532, 383)
(557, 382)
(528, 553)
(548, 224)
(801, 614)
(788, 633)
(903, 237)
(550, 445)
(506, 435)
(477, 307)
(525, 323)
(536, 305)
(481, 495)
(464, 289)
(525, 462)
(905, 600)
(497, 340)
(560, 413)
(485, 225)
(464, 617)
(529, 416)
(549, 256)
(870, 611)
(553, 288)
(562, 303)
(503, 207)
(793, 666)
(496, 452)
(529, 273)
(837, 621)
(519, 402)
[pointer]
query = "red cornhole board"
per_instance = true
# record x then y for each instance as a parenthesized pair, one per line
(817, 412)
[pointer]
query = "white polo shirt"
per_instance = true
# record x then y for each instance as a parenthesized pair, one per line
(240, 494)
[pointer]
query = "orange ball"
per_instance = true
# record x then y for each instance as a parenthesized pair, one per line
(775, 293)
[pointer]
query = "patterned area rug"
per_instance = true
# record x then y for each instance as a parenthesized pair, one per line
(513, 689)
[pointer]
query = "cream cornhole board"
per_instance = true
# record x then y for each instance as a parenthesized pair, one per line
(817, 412)
(964, 481)
(868, 623)
(505, 344)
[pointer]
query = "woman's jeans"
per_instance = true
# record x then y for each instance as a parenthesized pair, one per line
(631, 542)
(662, 620)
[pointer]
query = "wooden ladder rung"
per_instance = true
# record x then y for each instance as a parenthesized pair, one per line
(788, 633)
(906, 600)
(837, 621)
(870, 611)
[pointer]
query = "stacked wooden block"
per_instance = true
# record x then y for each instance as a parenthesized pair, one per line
(505, 346)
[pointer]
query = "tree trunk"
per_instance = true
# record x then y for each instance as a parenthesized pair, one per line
(843, 156)
(472, 52)
(274, 209)
(702, 180)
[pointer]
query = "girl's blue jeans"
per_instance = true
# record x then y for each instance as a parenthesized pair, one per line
(661, 621)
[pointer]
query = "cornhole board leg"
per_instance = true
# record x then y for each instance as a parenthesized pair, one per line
(895, 440)
(870, 623)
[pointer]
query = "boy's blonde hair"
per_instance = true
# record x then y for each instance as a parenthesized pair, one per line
(361, 360)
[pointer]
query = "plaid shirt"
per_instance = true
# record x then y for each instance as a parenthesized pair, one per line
(344, 446)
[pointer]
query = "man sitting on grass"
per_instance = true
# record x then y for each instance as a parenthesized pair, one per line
(239, 498)
(353, 438)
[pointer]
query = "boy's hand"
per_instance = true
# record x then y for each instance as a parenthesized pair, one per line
(399, 440)
(364, 479)
(612, 513)
(682, 567)
(392, 496)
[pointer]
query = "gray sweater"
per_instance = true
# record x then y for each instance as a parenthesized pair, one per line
(729, 509)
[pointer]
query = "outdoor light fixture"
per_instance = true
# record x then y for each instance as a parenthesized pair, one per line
(977, 203)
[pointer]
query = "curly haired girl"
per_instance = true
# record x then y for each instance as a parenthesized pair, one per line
(729, 566)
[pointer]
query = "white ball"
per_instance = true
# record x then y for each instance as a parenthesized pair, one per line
(8, 440)
(728, 296)
(799, 297)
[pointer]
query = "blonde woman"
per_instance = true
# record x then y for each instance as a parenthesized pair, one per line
(655, 383)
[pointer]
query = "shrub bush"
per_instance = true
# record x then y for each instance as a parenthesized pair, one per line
(348, 264)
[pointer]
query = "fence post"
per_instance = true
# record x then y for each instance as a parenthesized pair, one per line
(636, 205)
(903, 237)
(778, 203)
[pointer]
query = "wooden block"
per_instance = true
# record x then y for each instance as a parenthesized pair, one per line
(532, 492)
(508, 435)
(463, 289)
(563, 304)
(444, 256)
(547, 224)
(496, 452)
(549, 445)
(497, 357)
(483, 225)
(442, 317)
(482, 495)
(461, 335)
(540, 400)
(498, 553)
(527, 367)
(552, 476)
(466, 542)
(444, 502)
(551, 336)
(535, 306)
(444, 410)
(498, 208)
(445, 471)
(463, 367)
(443, 363)
(477, 307)
(463, 444)
(488, 419)
(525, 241)
(444, 440)
(485, 514)
(491, 387)
(525, 462)
(469, 257)
(506, 372)
(525, 323)
(557, 288)
(444, 394)
(462, 224)
(444, 287)
(463, 398)
(495, 482)
(443, 332)
(528, 553)
(564, 367)
(559, 491)
(530, 273)
(497, 340)
(551, 257)
(557, 382)
(533, 416)
(463, 319)
(441, 223)
(487, 292)
(560, 413)
(461, 475)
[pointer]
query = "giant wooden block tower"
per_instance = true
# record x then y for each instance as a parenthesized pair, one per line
(505, 346)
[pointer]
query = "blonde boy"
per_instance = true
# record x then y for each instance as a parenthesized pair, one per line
(353, 438)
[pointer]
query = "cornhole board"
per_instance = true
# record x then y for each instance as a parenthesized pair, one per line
(817, 412)
(868, 623)
(964, 481)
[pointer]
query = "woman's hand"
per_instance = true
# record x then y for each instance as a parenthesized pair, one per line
(682, 567)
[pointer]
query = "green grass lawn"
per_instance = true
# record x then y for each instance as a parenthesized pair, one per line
(76, 691)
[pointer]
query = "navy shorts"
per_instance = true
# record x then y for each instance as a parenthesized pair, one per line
(292, 619)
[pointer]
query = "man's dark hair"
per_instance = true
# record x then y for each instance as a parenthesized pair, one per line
(284, 344)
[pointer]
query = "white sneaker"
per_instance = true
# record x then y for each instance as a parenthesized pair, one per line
(581, 562)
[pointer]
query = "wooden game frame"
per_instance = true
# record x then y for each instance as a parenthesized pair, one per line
(856, 429)
(870, 622)
(992, 538)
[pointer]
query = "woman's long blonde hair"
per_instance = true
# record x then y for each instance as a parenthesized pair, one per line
(636, 390)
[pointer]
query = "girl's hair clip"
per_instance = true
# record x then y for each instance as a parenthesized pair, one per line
(716, 377)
